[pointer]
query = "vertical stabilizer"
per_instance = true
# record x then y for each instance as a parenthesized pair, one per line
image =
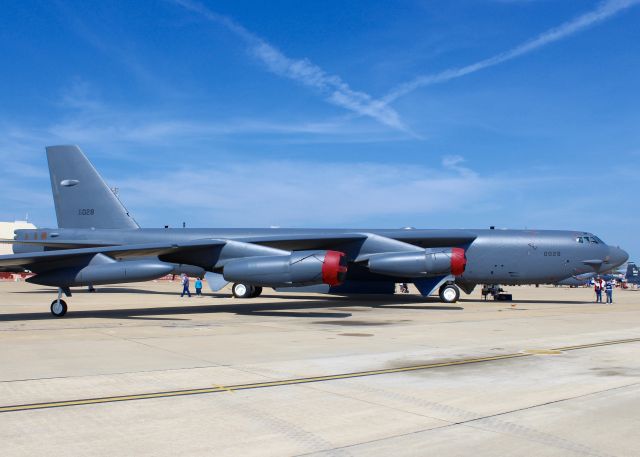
(82, 198)
(633, 273)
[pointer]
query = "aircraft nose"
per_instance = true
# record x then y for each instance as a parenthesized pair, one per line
(617, 256)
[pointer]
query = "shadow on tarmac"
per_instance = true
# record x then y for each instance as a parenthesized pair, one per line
(289, 306)
(106, 290)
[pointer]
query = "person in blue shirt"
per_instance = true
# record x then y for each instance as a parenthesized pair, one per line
(198, 286)
(608, 288)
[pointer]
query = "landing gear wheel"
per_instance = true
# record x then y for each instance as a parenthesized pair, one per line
(58, 308)
(240, 290)
(257, 290)
(449, 293)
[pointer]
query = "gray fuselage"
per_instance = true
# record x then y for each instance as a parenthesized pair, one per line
(493, 256)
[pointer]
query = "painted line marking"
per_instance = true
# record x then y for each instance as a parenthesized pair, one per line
(295, 381)
(224, 388)
(542, 352)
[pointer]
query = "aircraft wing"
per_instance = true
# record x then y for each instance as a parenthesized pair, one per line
(286, 242)
(433, 238)
(188, 252)
(29, 260)
(305, 241)
(296, 242)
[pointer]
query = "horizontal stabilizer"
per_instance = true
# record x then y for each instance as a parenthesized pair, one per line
(38, 261)
(60, 244)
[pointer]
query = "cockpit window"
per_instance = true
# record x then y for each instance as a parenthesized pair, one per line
(589, 240)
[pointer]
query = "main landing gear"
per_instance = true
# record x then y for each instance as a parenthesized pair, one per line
(59, 306)
(449, 293)
(241, 290)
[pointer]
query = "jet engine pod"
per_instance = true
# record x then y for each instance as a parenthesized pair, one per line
(430, 262)
(299, 268)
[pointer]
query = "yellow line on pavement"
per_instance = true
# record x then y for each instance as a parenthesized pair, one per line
(593, 345)
(224, 388)
(289, 382)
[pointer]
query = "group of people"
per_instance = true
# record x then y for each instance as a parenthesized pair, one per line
(600, 285)
(184, 279)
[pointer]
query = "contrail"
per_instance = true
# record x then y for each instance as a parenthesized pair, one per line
(604, 11)
(332, 87)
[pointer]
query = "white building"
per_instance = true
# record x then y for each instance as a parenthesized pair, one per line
(6, 233)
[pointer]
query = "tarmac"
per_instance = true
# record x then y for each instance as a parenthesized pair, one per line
(137, 370)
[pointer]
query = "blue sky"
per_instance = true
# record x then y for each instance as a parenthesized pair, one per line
(511, 113)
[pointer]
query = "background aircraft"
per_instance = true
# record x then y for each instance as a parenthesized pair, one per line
(98, 242)
(633, 274)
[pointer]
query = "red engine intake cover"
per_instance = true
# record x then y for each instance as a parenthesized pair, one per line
(458, 261)
(334, 268)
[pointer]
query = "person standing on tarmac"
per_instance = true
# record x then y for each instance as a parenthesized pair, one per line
(608, 288)
(598, 286)
(198, 286)
(185, 286)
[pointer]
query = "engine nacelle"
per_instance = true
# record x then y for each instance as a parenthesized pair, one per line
(103, 270)
(299, 268)
(430, 262)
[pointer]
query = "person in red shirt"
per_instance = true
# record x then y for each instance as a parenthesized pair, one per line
(598, 287)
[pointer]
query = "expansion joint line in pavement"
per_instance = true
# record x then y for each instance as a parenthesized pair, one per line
(295, 381)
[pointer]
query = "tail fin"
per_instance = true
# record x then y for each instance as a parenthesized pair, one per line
(81, 197)
(633, 273)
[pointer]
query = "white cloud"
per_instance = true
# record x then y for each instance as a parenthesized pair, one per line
(455, 163)
(265, 193)
(303, 71)
(604, 11)
(90, 120)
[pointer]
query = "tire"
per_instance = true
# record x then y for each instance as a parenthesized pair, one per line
(257, 290)
(241, 290)
(449, 293)
(58, 310)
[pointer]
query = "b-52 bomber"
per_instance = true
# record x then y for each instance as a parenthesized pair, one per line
(98, 242)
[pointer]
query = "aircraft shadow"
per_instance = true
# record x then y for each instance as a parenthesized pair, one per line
(398, 298)
(106, 290)
(286, 308)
